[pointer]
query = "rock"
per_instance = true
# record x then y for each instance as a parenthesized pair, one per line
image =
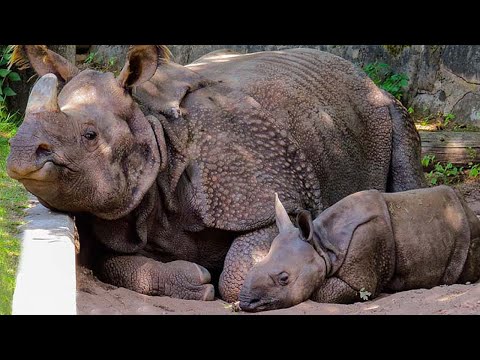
(464, 61)
(467, 109)
(442, 78)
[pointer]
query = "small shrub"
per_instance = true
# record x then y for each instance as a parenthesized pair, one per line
(8, 121)
(384, 77)
(94, 61)
(474, 171)
(6, 75)
(447, 118)
(90, 58)
(448, 173)
(427, 160)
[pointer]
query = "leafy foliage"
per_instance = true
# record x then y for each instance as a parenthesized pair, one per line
(427, 160)
(448, 173)
(97, 62)
(474, 171)
(6, 75)
(384, 77)
(447, 118)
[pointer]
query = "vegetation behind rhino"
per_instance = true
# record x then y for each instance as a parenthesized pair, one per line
(176, 165)
(369, 242)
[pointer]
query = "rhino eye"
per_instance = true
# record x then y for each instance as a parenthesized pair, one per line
(283, 278)
(90, 135)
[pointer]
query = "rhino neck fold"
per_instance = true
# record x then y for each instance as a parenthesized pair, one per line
(316, 242)
(165, 91)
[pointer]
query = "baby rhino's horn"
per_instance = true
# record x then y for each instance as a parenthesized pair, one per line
(281, 216)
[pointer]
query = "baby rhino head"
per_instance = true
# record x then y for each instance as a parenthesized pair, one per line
(290, 272)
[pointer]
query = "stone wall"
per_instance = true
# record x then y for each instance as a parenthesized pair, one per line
(442, 78)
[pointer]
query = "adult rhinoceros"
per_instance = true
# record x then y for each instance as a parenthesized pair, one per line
(177, 165)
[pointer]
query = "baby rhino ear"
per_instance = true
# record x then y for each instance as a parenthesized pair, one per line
(305, 224)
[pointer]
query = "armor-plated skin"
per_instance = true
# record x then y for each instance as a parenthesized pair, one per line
(369, 242)
(179, 163)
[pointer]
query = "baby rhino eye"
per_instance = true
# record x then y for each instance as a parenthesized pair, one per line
(90, 135)
(283, 278)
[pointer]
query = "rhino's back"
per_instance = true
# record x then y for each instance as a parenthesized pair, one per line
(330, 107)
(432, 237)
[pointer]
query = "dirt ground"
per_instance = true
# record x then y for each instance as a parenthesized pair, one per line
(95, 297)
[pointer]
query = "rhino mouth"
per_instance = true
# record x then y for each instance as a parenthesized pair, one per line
(256, 304)
(44, 171)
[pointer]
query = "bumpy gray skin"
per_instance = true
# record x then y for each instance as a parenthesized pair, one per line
(372, 241)
(231, 130)
(402, 241)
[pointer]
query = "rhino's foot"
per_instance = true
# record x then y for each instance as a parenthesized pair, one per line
(188, 281)
(178, 279)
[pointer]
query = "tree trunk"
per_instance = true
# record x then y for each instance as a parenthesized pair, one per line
(28, 78)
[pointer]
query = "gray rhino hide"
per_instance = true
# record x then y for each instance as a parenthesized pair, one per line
(246, 130)
(399, 241)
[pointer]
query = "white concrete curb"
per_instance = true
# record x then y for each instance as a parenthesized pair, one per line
(46, 281)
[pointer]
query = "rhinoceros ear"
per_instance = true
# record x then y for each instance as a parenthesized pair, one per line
(305, 224)
(43, 61)
(141, 64)
(337, 225)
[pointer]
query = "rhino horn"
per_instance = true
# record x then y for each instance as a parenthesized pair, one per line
(44, 95)
(281, 216)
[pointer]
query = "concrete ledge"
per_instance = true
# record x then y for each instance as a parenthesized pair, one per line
(46, 282)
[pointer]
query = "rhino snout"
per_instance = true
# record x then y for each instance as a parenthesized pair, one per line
(249, 305)
(24, 161)
(251, 301)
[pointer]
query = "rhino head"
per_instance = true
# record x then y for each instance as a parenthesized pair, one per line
(88, 148)
(290, 272)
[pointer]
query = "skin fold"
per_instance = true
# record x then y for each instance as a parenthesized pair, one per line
(168, 163)
(369, 241)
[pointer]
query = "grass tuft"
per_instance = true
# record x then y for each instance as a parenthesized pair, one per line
(13, 202)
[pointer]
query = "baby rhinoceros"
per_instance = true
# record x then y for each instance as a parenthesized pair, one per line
(369, 241)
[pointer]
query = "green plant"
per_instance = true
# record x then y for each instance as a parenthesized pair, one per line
(384, 77)
(97, 62)
(90, 58)
(444, 174)
(426, 120)
(411, 110)
(447, 118)
(474, 170)
(364, 294)
(112, 61)
(427, 160)
(6, 75)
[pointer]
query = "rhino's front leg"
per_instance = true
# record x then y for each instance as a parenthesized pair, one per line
(335, 291)
(178, 279)
(245, 252)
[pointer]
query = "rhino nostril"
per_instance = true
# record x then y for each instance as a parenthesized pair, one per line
(43, 150)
